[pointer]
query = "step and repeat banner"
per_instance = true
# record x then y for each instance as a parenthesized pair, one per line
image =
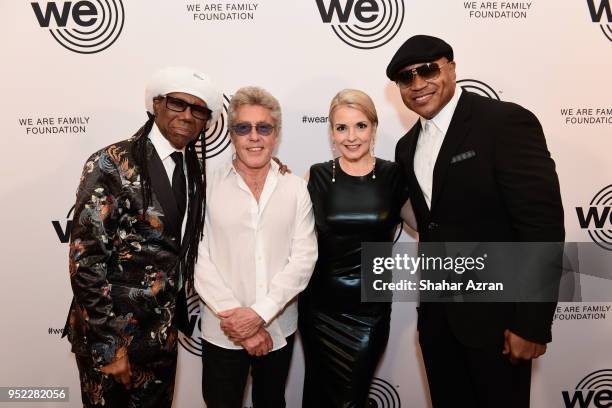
(72, 79)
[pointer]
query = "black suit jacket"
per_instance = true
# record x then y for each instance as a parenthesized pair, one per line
(493, 181)
(124, 268)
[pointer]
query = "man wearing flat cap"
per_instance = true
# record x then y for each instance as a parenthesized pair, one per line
(138, 219)
(478, 170)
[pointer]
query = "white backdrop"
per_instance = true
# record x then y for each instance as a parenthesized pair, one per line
(548, 55)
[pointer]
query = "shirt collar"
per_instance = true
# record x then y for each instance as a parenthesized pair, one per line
(230, 169)
(162, 146)
(443, 119)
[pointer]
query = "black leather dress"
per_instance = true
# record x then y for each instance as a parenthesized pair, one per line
(344, 338)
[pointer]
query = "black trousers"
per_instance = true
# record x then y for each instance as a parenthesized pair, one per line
(460, 376)
(225, 372)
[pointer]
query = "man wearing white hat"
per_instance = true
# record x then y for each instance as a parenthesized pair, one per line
(138, 218)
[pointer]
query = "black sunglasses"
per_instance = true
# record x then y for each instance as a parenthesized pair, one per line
(244, 128)
(179, 105)
(428, 72)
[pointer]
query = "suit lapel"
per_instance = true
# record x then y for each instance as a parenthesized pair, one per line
(457, 131)
(163, 191)
(190, 225)
(189, 229)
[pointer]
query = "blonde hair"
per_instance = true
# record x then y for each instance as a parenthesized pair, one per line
(355, 99)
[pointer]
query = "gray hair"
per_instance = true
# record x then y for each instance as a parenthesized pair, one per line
(253, 95)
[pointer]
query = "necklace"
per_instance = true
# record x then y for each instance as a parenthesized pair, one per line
(373, 171)
(256, 186)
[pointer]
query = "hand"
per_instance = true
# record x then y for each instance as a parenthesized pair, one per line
(240, 323)
(520, 349)
(260, 344)
(283, 167)
(120, 369)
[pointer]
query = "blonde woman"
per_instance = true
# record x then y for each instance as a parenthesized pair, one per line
(356, 198)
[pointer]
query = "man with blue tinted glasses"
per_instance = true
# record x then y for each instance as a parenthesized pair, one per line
(257, 255)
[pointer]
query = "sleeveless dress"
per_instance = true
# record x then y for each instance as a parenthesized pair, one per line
(344, 338)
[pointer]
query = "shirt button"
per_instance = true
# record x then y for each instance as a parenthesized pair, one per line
(432, 226)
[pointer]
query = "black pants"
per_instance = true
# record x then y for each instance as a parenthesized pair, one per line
(460, 376)
(225, 372)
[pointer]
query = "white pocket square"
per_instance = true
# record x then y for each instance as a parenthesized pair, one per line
(463, 156)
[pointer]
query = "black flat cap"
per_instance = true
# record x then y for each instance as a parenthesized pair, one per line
(420, 48)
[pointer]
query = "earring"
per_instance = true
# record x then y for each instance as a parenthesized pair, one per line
(373, 168)
(333, 161)
(334, 170)
(373, 160)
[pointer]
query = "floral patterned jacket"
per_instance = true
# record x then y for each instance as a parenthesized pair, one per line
(122, 266)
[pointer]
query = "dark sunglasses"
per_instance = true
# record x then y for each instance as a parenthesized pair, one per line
(428, 72)
(179, 105)
(244, 128)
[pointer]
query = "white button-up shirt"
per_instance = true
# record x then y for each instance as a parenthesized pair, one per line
(429, 145)
(258, 255)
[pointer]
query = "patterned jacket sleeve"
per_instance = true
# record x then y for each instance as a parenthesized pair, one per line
(92, 252)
